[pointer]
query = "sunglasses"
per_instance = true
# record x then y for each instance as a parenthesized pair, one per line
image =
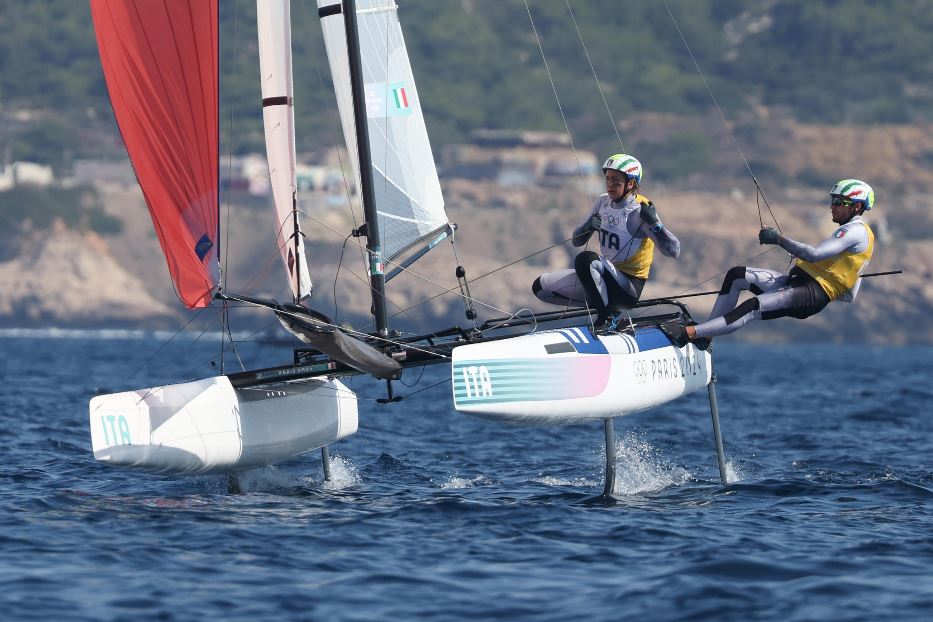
(837, 201)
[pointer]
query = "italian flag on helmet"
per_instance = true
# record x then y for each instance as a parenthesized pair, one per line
(856, 191)
(625, 164)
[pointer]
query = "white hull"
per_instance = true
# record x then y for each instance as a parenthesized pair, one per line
(208, 425)
(570, 375)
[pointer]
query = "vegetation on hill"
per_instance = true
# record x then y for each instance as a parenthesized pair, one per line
(26, 208)
(479, 66)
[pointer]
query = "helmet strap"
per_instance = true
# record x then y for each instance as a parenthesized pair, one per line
(855, 212)
(628, 189)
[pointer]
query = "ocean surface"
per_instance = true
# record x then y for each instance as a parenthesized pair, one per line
(433, 515)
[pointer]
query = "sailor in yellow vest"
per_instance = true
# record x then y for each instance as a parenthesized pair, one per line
(629, 228)
(830, 271)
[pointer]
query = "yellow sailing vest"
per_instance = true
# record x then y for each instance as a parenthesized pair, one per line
(639, 264)
(837, 275)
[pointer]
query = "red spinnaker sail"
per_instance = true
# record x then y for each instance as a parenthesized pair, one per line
(160, 60)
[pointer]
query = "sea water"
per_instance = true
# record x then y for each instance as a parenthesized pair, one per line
(432, 514)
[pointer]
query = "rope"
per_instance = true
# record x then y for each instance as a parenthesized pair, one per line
(758, 190)
(482, 276)
(471, 314)
(446, 290)
(595, 77)
(560, 108)
(436, 384)
(348, 331)
(337, 273)
(312, 12)
(223, 271)
(718, 274)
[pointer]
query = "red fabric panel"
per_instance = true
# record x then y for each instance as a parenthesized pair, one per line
(160, 60)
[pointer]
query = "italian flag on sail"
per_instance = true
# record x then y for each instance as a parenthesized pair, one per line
(399, 99)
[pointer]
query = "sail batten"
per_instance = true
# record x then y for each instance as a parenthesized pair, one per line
(160, 62)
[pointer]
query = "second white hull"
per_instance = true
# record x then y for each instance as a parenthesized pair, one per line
(571, 375)
(209, 426)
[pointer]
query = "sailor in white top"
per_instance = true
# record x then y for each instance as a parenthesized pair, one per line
(629, 228)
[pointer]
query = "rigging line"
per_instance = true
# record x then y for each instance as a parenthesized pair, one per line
(415, 383)
(346, 186)
(436, 384)
(225, 326)
(453, 245)
(165, 345)
(595, 77)
(253, 337)
(160, 348)
(744, 263)
(264, 269)
(349, 331)
(502, 267)
(515, 315)
(385, 118)
(273, 256)
(224, 320)
(447, 290)
(358, 277)
(337, 272)
(560, 108)
(388, 263)
(725, 121)
(230, 149)
(366, 282)
(190, 372)
(223, 272)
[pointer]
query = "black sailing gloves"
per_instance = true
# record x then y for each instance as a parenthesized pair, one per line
(596, 223)
(769, 235)
(649, 214)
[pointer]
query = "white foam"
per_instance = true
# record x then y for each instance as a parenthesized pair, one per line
(343, 474)
(576, 482)
(732, 473)
(639, 468)
(461, 482)
(264, 479)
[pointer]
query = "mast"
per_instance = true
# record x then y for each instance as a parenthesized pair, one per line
(297, 241)
(377, 280)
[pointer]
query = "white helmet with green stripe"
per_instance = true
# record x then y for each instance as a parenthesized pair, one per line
(625, 164)
(856, 191)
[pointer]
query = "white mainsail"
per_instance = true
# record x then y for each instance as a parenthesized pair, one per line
(275, 65)
(408, 197)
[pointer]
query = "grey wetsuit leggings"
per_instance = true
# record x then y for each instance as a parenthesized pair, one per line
(777, 295)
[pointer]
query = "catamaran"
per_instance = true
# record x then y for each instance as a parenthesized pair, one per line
(160, 60)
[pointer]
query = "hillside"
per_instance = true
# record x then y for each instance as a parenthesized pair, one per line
(479, 65)
(803, 93)
(93, 281)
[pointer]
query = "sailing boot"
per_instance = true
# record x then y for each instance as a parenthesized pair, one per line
(602, 321)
